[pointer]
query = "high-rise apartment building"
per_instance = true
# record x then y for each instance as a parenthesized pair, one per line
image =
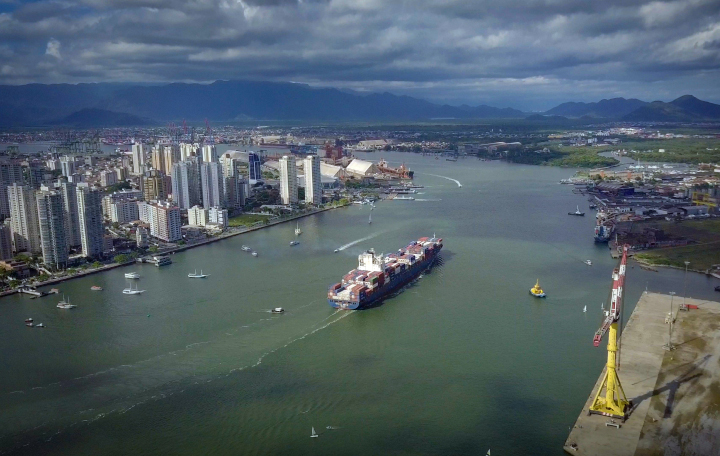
(288, 180)
(10, 173)
(138, 159)
(24, 219)
(51, 219)
(91, 221)
(235, 189)
(157, 158)
(141, 237)
(108, 178)
(124, 211)
(313, 182)
(197, 216)
(186, 189)
(6, 251)
(218, 216)
(254, 165)
(171, 155)
(67, 165)
(209, 153)
(211, 179)
(154, 186)
(164, 220)
(72, 222)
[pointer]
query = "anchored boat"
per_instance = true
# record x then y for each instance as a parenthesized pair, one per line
(537, 291)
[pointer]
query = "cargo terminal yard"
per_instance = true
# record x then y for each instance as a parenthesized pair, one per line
(674, 393)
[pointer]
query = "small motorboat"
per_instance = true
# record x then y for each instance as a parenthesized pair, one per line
(28, 320)
(298, 231)
(370, 220)
(132, 275)
(29, 325)
(588, 262)
(336, 250)
(39, 325)
(313, 434)
(584, 309)
(593, 206)
(277, 310)
(254, 254)
(577, 212)
(294, 242)
(195, 275)
(537, 291)
(245, 248)
(96, 288)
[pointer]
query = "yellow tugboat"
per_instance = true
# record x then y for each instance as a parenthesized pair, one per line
(537, 291)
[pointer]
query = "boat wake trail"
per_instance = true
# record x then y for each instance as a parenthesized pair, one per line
(448, 178)
(357, 241)
(429, 199)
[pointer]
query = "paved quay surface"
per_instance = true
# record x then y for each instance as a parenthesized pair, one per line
(675, 395)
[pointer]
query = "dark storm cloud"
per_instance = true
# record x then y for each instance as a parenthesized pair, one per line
(525, 53)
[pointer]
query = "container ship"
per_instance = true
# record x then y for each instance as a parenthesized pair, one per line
(379, 275)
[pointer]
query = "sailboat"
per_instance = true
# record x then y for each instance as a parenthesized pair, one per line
(65, 304)
(577, 212)
(370, 220)
(313, 434)
(130, 291)
(585, 309)
(195, 275)
(298, 231)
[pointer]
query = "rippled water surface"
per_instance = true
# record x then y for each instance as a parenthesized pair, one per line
(462, 361)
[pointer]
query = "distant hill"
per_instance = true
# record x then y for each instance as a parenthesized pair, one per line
(612, 108)
(38, 104)
(95, 118)
(684, 109)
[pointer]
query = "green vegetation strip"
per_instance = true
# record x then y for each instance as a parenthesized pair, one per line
(248, 219)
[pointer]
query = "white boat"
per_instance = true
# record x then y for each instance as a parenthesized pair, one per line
(298, 231)
(585, 309)
(195, 275)
(408, 198)
(370, 220)
(588, 262)
(313, 433)
(577, 212)
(277, 310)
(245, 248)
(132, 275)
(254, 254)
(336, 250)
(294, 242)
(39, 325)
(65, 304)
(130, 291)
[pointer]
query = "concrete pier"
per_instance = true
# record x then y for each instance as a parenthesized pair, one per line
(675, 394)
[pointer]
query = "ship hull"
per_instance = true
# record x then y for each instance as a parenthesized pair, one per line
(399, 281)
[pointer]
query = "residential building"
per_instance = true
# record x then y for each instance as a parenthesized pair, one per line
(218, 216)
(53, 164)
(197, 216)
(143, 211)
(121, 173)
(211, 179)
(72, 220)
(313, 180)
(108, 178)
(23, 219)
(6, 251)
(186, 184)
(188, 150)
(209, 153)
(154, 184)
(157, 161)
(254, 167)
(37, 175)
(67, 165)
(76, 178)
(141, 237)
(124, 211)
(91, 221)
(51, 220)
(235, 189)
(138, 159)
(288, 180)
(10, 173)
(122, 195)
(171, 155)
(164, 220)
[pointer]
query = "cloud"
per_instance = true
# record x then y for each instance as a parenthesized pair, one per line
(53, 48)
(525, 53)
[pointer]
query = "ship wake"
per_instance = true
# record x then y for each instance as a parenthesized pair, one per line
(357, 241)
(448, 178)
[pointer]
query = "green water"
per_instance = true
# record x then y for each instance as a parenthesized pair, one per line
(462, 361)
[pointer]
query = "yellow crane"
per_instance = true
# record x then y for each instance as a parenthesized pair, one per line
(610, 399)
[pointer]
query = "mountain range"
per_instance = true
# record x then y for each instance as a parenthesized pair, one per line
(125, 104)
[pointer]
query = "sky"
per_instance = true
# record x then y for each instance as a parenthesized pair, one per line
(526, 54)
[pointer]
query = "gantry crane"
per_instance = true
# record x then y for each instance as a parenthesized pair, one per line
(610, 398)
